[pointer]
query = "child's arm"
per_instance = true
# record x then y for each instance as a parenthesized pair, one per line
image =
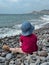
(12, 50)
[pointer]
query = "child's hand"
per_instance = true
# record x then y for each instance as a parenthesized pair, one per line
(6, 47)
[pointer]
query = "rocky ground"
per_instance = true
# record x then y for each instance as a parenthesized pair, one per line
(41, 57)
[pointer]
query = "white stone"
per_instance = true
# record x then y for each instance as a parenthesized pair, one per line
(37, 62)
(45, 63)
(32, 63)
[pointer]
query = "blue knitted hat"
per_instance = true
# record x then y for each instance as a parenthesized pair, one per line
(27, 28)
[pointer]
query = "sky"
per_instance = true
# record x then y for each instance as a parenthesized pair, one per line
(22, 6)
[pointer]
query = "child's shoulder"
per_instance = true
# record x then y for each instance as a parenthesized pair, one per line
(34, 35)
(21, 36)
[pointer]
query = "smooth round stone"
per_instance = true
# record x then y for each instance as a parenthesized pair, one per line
(0, 54)
(12, 62)
(32, 63)
(2, 63)
(22, 63)
(48, 49)
(26, 62)
(9, 56)
(37, 62)
(47, 45)
(48, 53)
(48, 40)
(19, 56)
(17, 62)
(47, 58)
(2, 59)
(43, 54)
(6, 62)
(45, 63)
(3, 54)
(33, 59)
(43, 58)
(44, 49)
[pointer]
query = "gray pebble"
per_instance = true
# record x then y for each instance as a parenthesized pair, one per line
(3, 54)
(2, 59)
(45, 63)
(9, 56)
(12, 62)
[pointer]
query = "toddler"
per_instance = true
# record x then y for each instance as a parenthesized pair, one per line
(28, 40)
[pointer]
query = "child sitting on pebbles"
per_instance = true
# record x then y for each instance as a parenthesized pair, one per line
(28, 40)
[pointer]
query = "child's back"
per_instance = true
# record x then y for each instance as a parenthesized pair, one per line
(29, 43)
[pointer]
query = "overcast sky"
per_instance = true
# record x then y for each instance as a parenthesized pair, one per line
(22, 6)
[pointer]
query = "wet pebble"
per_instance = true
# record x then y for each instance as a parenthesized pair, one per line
(9, 56)
(4, 54)
(45, 63)
(2, 59)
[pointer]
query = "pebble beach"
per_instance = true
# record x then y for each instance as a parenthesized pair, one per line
(41, 57)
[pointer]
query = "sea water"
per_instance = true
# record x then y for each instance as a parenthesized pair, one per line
(10, 24)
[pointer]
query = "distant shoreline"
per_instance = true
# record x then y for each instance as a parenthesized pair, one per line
(44, 11)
